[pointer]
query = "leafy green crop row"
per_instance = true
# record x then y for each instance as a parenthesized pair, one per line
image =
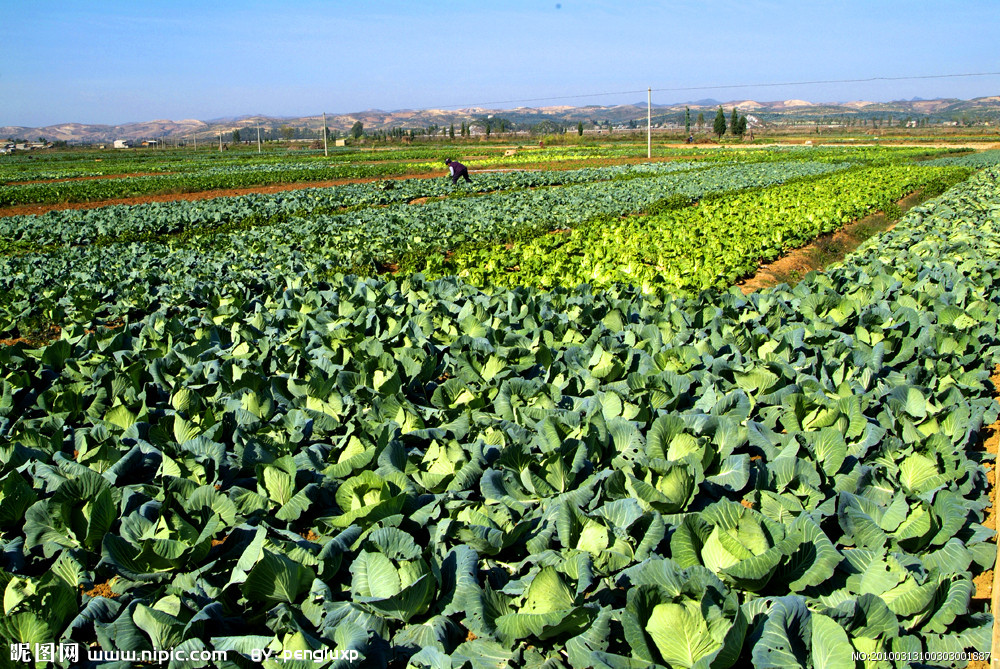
(434, 475)
(866, 155)
(154, 175)
(59, 284)
(137, 222)
(79, 164)
(693, 248)
(978, 160)
(179, 172)
(107, 189)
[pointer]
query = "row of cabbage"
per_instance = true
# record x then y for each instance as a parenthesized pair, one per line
(978, 160)
(438, 476)
(693, 248)
(144, 221)
(871, 155)
(68, 164)
(180, 175)
(863, 155)
(92, 190)
(82, 164)
(208, 174)
(60, 284)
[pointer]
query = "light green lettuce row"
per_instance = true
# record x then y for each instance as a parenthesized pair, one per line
(693, 248)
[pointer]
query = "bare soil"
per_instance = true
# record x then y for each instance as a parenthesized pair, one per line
(40, 339)
(36, 340)
(101, 590)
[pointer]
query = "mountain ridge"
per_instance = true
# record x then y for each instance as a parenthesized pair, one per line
(775, 112)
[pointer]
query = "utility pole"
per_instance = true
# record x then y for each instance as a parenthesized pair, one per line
(220, 140)
(258, 138)
(326, 152)
(649, 123)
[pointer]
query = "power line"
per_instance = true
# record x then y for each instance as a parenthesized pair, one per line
(709, 88)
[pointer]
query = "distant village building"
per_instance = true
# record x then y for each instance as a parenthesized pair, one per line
(123, 143)
(11, 147)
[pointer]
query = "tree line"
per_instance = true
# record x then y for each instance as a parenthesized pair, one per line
(737, 125)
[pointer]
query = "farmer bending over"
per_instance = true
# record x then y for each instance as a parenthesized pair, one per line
(456, 170)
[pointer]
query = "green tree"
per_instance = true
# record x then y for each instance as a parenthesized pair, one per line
(719, 127)
(546, 127)
(741, 126)
(700, 123)
(687, 120)
(357, 130)
(451, 131)
(236, 136)
(579, 128)
(734, 121)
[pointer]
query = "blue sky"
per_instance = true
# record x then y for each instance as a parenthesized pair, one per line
(117, 62)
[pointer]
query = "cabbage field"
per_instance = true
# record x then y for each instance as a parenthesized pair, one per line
(531, 423)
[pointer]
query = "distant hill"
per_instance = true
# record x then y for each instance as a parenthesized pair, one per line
(520, 118)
